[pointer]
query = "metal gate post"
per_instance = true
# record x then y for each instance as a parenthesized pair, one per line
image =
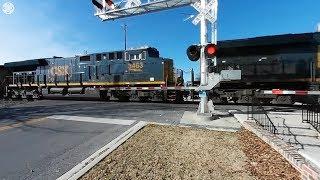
(210, 6)
(203, 62)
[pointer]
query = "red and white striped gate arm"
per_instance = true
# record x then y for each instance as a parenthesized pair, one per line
(149, 88)
(291, 92)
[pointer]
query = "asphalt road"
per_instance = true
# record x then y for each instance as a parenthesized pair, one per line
(34, 146)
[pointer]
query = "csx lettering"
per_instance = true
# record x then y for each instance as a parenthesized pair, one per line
(60, 70)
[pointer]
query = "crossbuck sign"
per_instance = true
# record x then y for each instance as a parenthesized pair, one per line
(209, 12)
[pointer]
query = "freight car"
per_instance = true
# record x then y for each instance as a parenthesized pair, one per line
(290, 61)
(136, 74)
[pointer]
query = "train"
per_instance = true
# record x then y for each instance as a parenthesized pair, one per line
(288, 61)
(134, 74)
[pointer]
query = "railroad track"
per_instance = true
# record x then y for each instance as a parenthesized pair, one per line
(72, 98)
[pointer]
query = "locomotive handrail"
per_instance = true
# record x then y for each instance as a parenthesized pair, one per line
(3, 83)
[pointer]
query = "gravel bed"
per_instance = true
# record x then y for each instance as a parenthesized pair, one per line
(170, 152)
(264, 162)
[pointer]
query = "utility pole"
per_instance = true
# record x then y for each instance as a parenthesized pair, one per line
(125, 27)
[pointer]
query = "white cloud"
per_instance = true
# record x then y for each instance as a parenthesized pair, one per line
(21, 45)
(29, 34)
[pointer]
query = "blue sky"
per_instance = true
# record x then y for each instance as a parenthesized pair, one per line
(41, 28)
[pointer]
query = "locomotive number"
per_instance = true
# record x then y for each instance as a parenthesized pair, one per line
(136, 67)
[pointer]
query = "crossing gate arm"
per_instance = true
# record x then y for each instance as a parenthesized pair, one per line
(291, 92)
(137, 7)
(177, 88)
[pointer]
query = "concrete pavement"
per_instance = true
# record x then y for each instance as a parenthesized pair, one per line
(302, 135)
(225, 122)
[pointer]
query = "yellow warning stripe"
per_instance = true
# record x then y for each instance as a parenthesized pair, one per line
(98, 84)
(122, 83)
(20, 124)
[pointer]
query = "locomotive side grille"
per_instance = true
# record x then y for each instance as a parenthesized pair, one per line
(116, 78)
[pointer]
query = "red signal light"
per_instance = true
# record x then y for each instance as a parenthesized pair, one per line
(210, 50)
(97, 4)
(104, 3)
(110, 4)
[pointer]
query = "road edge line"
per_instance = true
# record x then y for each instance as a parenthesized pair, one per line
(84, 166)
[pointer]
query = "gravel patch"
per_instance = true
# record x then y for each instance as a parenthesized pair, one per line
(170, 152)
(265, 162)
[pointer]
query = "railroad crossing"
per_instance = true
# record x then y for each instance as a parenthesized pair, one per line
(208, 14)
(85, 137)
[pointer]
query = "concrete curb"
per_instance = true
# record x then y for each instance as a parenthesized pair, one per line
(308, 158)
(285, 113)
(83, 167)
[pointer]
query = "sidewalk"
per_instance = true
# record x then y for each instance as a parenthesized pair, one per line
(291, 129)
(302, 135)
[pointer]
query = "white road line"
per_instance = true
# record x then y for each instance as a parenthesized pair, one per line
(93, 119)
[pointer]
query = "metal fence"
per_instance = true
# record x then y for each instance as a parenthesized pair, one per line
(311, 115)
(257, 113)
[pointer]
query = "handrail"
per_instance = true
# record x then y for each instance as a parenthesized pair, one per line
(261, 117)
(311, 114)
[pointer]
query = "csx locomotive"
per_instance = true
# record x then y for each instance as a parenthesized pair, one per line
(137, 73)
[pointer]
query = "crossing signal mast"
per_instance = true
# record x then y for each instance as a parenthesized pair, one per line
(208, 10)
